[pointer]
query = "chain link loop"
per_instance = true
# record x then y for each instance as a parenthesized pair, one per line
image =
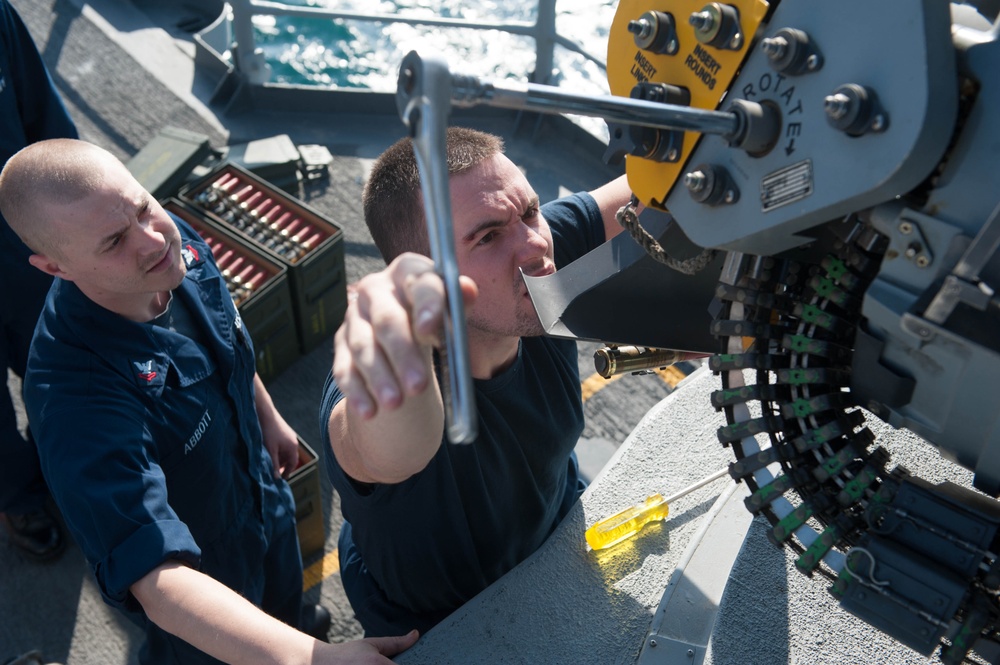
(629, 220)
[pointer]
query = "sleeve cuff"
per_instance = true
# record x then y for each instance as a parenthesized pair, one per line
(144, 550)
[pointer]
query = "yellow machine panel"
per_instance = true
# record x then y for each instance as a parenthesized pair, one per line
(694, 46)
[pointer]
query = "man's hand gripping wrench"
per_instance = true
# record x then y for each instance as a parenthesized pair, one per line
(424, 100)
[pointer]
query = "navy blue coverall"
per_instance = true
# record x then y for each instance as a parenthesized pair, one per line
(153, 450)
(30, 110)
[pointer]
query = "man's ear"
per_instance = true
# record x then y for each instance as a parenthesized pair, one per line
(47, 265)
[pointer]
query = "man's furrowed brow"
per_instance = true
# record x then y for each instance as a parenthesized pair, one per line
(484, 226)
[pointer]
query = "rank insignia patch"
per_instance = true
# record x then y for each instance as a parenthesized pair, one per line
(190, 255)
(148, 374)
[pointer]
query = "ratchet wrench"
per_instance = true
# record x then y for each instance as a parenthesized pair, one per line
(423, 98)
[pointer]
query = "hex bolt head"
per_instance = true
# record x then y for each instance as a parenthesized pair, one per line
(711, 184)
(837, 105)
(655, 31)
(855, 110)
(702, 21)
(774, 47)
(791, 51)
(695, 181)
(640, 27)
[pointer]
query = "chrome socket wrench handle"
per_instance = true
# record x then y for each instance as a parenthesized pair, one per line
(423, 98)
(745, 125)
(469, 91)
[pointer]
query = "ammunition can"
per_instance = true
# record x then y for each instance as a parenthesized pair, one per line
(266, 308)
(309, 245)
(305, 484)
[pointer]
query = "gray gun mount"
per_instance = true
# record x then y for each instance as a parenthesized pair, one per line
(843, 178)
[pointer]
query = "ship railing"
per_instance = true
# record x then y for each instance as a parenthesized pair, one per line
(248, 60)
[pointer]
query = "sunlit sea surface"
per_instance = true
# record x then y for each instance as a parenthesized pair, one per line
(362, 54)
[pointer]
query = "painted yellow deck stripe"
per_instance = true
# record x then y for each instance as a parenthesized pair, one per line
(594, 384)
(322, 569)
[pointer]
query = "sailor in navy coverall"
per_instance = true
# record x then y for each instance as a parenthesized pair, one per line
(30, 110)
(159, 442)
(151, 442)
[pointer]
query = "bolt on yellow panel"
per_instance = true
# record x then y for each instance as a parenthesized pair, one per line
(705, 71)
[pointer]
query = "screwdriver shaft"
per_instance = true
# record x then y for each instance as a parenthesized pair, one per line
(701, 483)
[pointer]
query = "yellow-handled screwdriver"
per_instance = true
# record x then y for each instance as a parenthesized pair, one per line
(627, 523)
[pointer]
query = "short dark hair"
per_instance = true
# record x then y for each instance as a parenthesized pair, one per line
(392, 200)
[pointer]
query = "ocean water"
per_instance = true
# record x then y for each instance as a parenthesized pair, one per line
(361, 54)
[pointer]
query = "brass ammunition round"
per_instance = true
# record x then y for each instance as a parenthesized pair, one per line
(234, 266)
(224, 259)
(611, 360)
(238, 279)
